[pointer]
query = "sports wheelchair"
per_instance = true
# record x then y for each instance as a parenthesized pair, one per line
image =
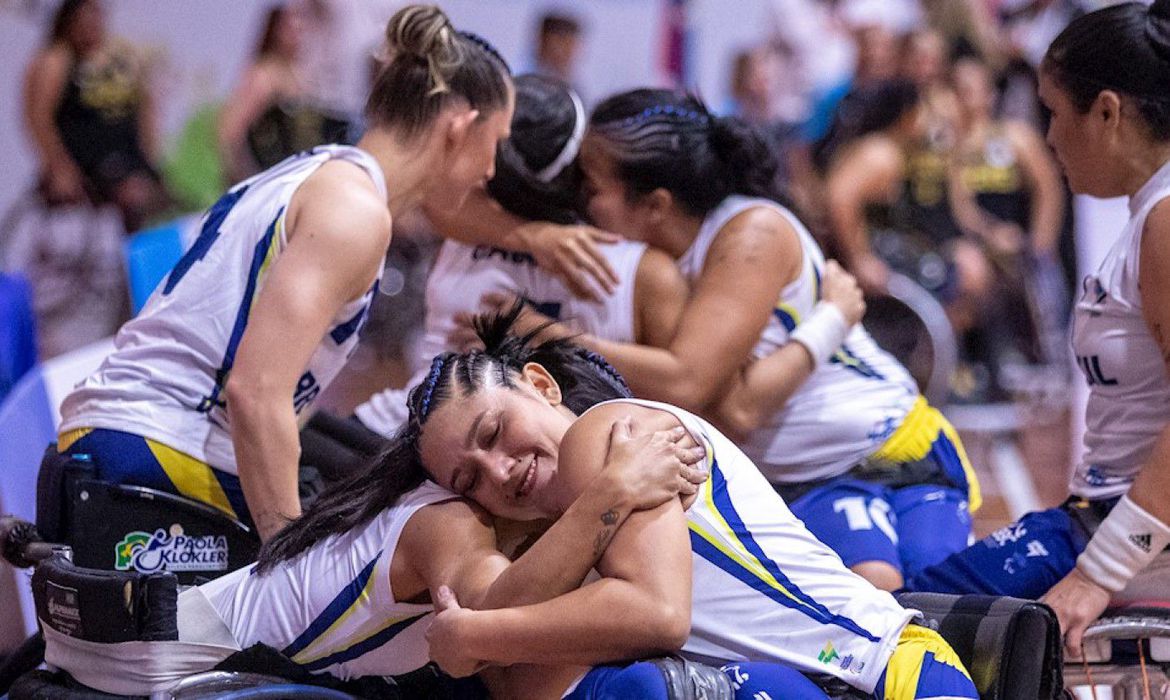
(1127, 650)
(1011, 647)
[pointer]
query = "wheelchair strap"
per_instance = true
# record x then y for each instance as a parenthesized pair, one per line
(141, 668)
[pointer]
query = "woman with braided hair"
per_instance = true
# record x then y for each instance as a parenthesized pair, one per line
(346, 589)
(202, 393)
(727, 574)
(835, 423)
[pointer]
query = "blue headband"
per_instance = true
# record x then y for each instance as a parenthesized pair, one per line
(669, 111)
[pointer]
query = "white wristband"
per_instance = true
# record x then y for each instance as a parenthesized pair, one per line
(1124, 544)
(822, 332)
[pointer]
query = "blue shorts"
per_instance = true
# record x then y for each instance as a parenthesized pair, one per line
(1023, 559)
(125, 458)
(751, 680)
(909, 527)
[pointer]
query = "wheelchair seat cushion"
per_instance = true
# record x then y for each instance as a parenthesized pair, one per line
(1011, 647)
(105, 606)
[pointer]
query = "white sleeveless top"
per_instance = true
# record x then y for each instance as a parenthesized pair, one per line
(464, 273)
(331, 609)
(166, 376)
(1129, 392)
(764, 588)
(848, 407)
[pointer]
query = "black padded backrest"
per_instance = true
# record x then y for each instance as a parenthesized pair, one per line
(133, 528)
(336, 446)
(52, 510)
(1010, 646)
(108, 524)
(105, 606)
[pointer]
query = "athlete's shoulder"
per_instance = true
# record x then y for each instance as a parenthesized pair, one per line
(340, 200)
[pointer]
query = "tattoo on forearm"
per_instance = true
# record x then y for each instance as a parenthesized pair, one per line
(608, 518)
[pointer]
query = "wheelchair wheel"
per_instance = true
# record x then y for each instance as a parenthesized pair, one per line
(911, 325)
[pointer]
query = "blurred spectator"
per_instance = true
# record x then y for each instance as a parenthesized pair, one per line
(558, 44)
(967, 27)
(820, 43)
(1009, 190)
(877, 60)
(756, 76)
(255, 121)
(873, 216)
(1006, 193)
(1029, 26)
(89, 111)
(340, 40)
(924, 61)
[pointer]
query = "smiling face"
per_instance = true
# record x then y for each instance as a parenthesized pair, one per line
(498, 446)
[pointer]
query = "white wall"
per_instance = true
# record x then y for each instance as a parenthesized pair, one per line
(200, 47)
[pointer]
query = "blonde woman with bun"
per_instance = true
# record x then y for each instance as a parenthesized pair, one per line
(202, 393)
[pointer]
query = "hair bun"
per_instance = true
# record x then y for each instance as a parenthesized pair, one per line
(425, 33)
(1158, 28)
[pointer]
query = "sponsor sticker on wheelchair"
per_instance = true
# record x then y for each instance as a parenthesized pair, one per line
(172, 551)
(62, 609)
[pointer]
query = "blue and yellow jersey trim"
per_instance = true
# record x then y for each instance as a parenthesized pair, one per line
(925, 432)
(728, 544)
(263, 256)
(320, 646)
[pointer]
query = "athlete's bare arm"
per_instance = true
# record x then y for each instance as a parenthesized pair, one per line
(754, 256)
(338, 229)
(641, 606)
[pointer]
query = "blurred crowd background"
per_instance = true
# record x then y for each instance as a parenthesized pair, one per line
(910, 132)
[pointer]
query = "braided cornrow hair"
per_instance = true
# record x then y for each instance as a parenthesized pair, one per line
(585, 379)
(486, 45)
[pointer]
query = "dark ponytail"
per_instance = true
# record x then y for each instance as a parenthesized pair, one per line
(1125, 48)
(585, 379)
(670, 140)
(350, 503)
(545, 138)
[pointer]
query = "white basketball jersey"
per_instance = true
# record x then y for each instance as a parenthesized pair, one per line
(1129, 392)
(166, 376)
(848, 406)
(331, 609)
(764, 588)
(462, 274)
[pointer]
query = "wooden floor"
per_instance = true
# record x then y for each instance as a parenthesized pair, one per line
(1020, 468)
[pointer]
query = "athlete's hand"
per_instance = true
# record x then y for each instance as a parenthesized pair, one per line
(572, 254)
(841, 289)
(1077, 602)
(873, 274)
(653, 468)
(444, 636)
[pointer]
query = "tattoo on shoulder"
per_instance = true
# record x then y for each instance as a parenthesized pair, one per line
(609, 517)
